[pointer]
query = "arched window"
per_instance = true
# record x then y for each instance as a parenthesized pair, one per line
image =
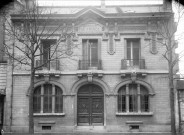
(133, 98)
(48, 98)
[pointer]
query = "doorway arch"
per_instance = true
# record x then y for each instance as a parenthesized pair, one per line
(90, 105)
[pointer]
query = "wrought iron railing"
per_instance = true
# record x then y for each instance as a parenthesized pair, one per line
(54, 64)
(128, 63)
(87, 65)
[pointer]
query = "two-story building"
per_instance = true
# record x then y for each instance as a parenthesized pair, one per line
(117, 82)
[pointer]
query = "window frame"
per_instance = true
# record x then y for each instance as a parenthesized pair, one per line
(53, 95)
(139, 105)
(46, 51)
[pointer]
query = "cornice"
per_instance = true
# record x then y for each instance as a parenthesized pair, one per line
(98, 13)
(92, 71)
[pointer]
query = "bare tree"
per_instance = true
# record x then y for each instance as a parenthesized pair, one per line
(26, 32)
(164, 34)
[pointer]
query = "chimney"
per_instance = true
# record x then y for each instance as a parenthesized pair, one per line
(102, 4)
(30, 4)
(167, 4)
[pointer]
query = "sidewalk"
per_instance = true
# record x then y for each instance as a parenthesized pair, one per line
(89, 133)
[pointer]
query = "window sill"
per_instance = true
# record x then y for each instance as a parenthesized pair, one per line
(49, 114)
(135, 114)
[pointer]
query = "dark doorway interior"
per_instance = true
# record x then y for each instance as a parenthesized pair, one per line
(1, 110)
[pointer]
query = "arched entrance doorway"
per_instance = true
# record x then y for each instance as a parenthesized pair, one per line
(90, 105)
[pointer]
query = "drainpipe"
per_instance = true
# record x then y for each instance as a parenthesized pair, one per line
(103, 5)
(12, 84)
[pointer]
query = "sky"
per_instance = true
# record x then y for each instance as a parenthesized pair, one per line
(179, 35)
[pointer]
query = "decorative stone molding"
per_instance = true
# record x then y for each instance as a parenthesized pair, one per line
(133, 75)
(111, 34)
(153, 38)
(2, 91)
(90, 27)
(90, 75)
(69, 36)
(47, 74)
(138, 81)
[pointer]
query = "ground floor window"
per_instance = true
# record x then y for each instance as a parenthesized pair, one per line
(133, 98)
(48, 98)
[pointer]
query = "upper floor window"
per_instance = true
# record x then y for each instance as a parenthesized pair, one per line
(48, 55)
(133, 51)
(133, 98)
(90, 54)
(46, 51)
(133, 56)
(48, 98)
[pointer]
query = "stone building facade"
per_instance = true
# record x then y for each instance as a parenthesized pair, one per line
(180, 91)
(118, 81)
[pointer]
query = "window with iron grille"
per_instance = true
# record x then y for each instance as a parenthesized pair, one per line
(133, 98)
(48, 98)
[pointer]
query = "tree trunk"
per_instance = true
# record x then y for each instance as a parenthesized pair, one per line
(31, 120)
(171, 87)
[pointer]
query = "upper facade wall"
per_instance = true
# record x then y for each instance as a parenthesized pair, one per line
(123, 36)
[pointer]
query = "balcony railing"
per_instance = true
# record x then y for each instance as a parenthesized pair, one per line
(87, 65)
(137, 63)
(51, 65)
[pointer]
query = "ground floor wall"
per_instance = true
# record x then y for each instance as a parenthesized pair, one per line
(156, 120)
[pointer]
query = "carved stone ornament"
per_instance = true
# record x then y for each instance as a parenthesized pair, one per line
(133, 76)
(90, 77)
(152, 37)
(147, 36)
(90, 28)
(111, 35)
(2, 91)
(69, 39)
(105, 37)
(46, 78)
(111, 44)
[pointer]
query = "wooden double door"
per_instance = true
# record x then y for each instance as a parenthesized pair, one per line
(90, 105)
